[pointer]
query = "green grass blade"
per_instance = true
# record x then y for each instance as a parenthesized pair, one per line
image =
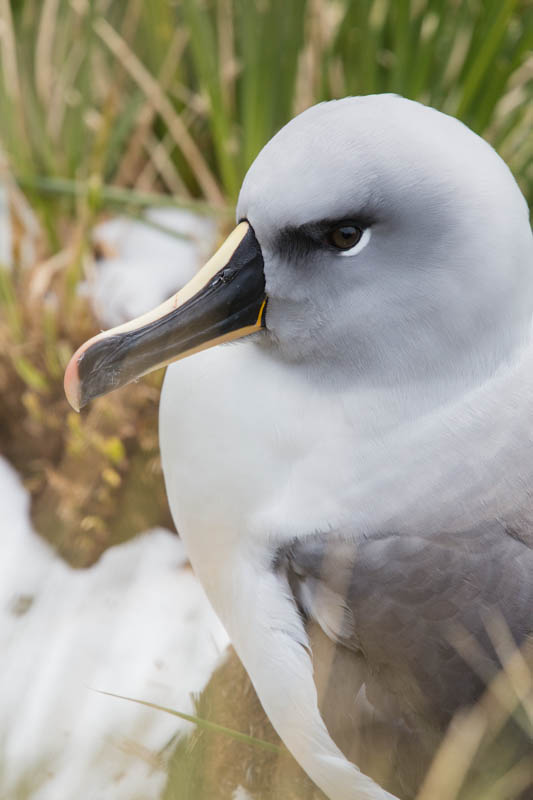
(485, 54)
(203, 723)
(204, 49)
(107, 195)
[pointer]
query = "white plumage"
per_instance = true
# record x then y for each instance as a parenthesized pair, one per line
(388, 398)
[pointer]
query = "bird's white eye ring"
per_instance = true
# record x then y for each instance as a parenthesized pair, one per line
(358, 246)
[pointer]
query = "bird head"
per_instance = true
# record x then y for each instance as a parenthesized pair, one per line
(378, 240)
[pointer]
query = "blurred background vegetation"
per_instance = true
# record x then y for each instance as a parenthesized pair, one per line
(113, 106)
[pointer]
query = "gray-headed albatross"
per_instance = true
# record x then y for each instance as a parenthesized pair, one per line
(363, 458)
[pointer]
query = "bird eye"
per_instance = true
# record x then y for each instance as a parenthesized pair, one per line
(345, 237)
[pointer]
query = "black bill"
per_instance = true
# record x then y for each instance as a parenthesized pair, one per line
(226, 300)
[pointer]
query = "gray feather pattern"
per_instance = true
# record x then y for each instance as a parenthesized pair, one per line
(410, 599)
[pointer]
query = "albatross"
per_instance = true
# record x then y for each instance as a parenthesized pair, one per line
(359, 464)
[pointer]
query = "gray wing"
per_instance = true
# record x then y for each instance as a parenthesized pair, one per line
(408, 609)
(404, 602)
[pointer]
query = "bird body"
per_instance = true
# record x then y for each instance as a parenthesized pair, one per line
(226, 541)
(361, 464)
(440, 536)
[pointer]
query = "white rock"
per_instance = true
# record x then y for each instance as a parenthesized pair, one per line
(142, 265)
(241, 793)
(137, 623)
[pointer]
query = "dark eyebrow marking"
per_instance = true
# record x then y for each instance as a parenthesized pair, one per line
(296, 242)
(301, 240)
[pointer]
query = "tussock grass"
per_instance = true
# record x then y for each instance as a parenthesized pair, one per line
(180, 96)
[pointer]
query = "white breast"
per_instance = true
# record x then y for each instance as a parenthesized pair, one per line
(255, 455)
(240, 435)
(240, 440)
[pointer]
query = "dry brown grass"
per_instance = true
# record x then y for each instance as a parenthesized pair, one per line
(95, 479)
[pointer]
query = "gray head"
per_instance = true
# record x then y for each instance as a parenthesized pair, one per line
(441, 281)
(389, 245)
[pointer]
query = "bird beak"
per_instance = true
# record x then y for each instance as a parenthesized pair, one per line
(224, 301)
